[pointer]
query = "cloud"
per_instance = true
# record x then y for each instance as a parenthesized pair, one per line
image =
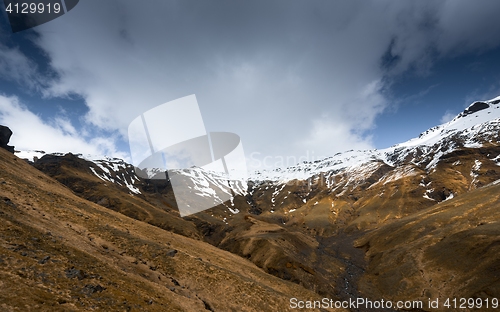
(263, 79)
(328, 137)
(331, 134)
(287, 77)
(16, 67)
(448, 116)
(30, 132)
(425, 31)
(466, 26)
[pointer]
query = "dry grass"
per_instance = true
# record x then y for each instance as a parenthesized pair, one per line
(59, 252)
(448, 250)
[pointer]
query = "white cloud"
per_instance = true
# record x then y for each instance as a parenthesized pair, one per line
(246, 80)
(448, 116)
(30, 132)
(332, 134)
(328, 137)
(64, 125)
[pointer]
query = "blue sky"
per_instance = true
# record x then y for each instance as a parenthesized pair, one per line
(291, 78)
(421, 102)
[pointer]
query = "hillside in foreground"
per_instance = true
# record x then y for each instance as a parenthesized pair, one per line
(59, 252)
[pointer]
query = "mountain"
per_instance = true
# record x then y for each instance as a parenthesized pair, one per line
(449, 250)
(60, 252)
(404, 223)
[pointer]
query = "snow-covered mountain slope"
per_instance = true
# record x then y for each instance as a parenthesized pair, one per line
(114, 170)
(477, 120)
(474, 127)
(307, 169)
(477, 125)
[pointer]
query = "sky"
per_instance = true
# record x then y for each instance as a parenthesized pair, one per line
(294, 79)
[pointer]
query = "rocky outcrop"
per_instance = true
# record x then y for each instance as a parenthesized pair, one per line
(475, 107)
(5, 134)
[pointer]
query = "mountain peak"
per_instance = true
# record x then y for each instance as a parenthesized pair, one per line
(477, 113)
(479, 106)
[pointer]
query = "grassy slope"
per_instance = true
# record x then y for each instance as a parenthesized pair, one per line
(59, 252)
(448, 250)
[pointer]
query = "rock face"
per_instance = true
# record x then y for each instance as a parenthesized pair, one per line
(5, 134)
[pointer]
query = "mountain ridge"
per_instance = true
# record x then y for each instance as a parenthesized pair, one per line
(350, 158)
(430, 137)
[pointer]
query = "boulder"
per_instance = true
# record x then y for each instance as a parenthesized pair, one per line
(5, 134)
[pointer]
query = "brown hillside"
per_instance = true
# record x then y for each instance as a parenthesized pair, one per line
(450, 250)
(59, 252)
